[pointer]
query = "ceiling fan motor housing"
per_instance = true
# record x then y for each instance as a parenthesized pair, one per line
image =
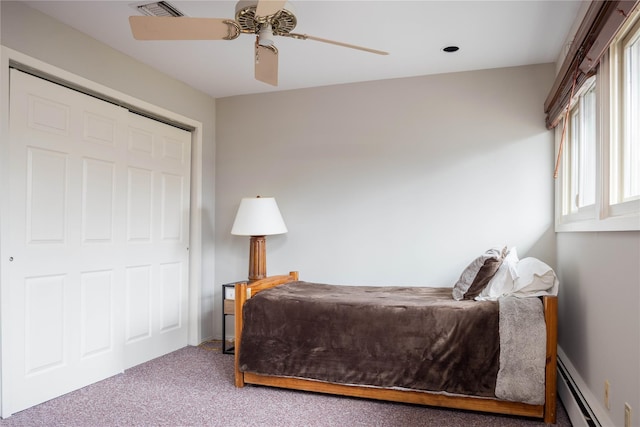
(281, 22)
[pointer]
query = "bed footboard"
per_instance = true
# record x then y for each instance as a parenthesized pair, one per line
(244, 291)
(550, 304)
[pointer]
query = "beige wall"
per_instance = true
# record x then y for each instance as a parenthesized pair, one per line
(41, 37)
(391, 182)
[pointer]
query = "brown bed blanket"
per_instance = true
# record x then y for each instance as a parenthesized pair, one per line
(407, 337)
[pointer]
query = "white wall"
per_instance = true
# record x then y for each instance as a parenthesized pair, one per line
(39, 36)
(599, 316)
(391, 182)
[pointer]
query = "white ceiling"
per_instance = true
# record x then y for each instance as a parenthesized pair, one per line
(490, 34)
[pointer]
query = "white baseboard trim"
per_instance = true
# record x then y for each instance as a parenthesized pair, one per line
(583, 408)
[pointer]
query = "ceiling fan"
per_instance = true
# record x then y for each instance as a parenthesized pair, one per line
(265, 18)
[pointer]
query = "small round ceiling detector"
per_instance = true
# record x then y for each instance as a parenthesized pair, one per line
(451, 49)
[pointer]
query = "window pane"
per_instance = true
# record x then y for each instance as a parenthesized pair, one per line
(574, 155)
(631, 146)
(582, 152)
(587, 194)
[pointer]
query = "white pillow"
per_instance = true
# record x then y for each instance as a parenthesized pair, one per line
(535, 278)
(502, 282)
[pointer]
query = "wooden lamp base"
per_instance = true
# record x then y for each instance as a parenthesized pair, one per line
(257, 258)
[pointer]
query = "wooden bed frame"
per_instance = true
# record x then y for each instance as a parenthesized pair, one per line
(547, 411)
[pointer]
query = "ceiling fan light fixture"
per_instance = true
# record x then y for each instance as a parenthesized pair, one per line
(265, 35)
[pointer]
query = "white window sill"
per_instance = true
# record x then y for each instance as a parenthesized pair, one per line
(625, 222)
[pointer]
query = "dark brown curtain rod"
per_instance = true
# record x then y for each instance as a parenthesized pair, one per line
(599, 26)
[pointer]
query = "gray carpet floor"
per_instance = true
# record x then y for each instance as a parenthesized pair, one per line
(194, 387)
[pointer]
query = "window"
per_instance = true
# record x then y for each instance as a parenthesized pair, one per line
(631, 117)
(599, 185)
(580, 157)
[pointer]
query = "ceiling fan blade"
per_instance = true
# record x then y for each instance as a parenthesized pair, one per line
(269, 7)
(319, 39)
(183, 28)
(266, 69)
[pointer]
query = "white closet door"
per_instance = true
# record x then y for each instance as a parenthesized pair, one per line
(157, 236)
(96, 239)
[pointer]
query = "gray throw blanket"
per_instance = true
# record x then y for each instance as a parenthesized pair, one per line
(523, 353)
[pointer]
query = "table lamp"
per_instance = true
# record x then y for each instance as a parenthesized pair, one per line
(258, 217)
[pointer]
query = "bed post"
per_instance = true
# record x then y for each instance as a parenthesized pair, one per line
(241, 297)
(551, 319)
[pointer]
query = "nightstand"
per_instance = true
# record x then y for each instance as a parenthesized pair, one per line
(228, 311)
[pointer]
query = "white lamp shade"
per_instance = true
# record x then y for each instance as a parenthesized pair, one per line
(258, 216)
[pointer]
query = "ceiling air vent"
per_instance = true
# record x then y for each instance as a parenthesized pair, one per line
(160, 8)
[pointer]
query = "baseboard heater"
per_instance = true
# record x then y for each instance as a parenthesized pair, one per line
(574, 401)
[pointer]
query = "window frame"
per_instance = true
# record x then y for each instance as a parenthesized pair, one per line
(570, 178)
(631, 37)
(610, 212)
